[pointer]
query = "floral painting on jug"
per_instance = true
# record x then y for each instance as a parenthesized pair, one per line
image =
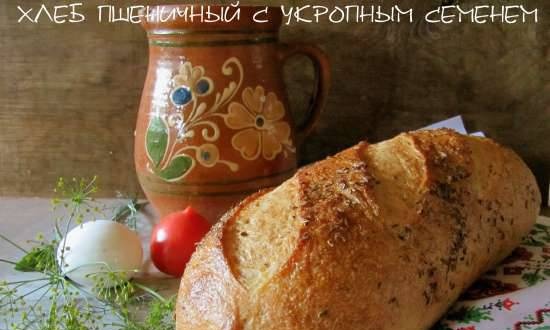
(258, 124)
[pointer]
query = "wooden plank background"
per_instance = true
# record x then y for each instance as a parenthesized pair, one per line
(69, 93)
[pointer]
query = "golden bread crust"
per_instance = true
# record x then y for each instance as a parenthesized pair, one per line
(383, 236)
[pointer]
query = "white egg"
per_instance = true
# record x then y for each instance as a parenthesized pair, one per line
(97, 247)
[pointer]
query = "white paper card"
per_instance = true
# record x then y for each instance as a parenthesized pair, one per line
(454, 123)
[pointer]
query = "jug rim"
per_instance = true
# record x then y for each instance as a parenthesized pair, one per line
(178, 17)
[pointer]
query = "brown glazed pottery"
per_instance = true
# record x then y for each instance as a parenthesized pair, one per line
(214, 124)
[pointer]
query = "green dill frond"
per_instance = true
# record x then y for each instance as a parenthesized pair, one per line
(161, 315)
(127, 214)
(41, 259)
(52, 301)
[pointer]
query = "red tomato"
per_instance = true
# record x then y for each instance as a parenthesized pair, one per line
(174, 240)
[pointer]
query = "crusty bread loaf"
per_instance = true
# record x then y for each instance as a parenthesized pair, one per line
(378, 237)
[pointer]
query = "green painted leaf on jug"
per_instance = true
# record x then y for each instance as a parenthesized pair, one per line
(177, 169)
(156, 140)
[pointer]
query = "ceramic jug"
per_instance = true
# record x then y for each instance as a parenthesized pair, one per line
(214, 124)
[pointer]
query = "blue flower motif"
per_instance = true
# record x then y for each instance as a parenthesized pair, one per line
(202, 87)
(190, 82)
(181, 96)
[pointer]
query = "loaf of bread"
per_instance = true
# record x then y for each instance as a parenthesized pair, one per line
(378, 237)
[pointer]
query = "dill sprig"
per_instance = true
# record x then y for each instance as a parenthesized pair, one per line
(127, 213)
(51, 301)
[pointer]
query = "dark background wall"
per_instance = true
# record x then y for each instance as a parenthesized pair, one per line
(69, 93)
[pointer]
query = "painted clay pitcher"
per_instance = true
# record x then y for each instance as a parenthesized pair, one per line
(214, 124)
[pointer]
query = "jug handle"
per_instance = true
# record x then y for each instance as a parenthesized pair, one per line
(322, 83)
